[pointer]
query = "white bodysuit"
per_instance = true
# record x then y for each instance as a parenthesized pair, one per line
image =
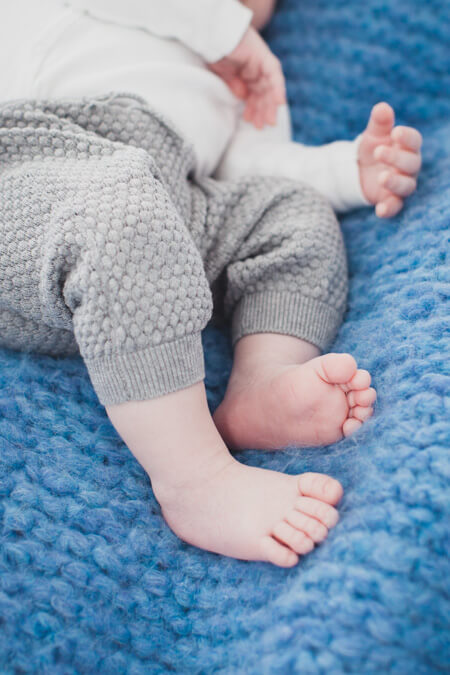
(158, 49)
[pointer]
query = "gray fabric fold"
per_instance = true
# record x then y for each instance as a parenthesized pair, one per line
(110, 247)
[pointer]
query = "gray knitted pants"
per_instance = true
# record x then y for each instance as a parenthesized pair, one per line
(110, 247)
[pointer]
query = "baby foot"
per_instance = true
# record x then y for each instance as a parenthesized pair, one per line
(251, 513)
(389, 161)
(212, 501)
(315, 403)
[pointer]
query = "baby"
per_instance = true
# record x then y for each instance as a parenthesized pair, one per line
(131, 233)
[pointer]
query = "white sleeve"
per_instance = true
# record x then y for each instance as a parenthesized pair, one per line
(334, 171)
(331, 169)
(211, 28)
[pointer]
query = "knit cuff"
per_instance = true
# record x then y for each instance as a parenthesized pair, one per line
(148, 373)
(286, 313)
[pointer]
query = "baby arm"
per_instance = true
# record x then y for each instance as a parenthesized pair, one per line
(388, 158)
(379, 168)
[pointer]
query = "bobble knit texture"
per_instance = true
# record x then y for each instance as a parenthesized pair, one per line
(93, 581)
(110, 240)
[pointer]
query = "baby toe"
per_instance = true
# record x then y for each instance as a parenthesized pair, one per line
(364, 397)
(310, 526)
(350, 426)
(361, 413)
(361, 380)
(336, 368)
(320, 511)
(276, 553)
(296, 540)
(319, 486)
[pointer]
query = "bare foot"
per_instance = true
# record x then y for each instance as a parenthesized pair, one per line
(282, 404)
(253, 514)
(212, 501)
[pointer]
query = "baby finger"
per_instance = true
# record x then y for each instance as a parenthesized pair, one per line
(407, 137)
(407, 162)
(249, 112)
(398, 183)
(389, 207)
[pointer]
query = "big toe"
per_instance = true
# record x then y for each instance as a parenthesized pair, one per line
(319, 486)
(337, 368)
(361, 380)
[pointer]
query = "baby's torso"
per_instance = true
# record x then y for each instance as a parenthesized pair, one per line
(54, 51)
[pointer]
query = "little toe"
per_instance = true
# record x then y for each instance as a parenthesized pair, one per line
(361, 413)
(364, 397)
(350, 426)
(360, 380)
(322, 512)
(319, 486)
(298, 541)
(337, 368)
(310, 526)
(277, 554)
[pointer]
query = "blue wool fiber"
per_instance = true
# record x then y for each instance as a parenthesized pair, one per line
(91, 578)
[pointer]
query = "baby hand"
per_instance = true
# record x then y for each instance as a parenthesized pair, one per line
(254, 74)
(389, 160)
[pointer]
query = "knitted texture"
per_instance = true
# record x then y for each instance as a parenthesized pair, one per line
(92, 580)
(103, 230)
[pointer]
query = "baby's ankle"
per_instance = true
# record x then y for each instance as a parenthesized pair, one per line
(254, 351)
(173, 437)
(171, 489)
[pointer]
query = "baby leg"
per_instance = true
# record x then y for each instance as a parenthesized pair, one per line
(208, 498)
(112, 261)
(286, 291)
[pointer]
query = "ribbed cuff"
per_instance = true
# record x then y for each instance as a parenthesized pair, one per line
(286, 313)
(148, 373)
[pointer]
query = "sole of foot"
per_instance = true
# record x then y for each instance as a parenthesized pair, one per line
(310, 404)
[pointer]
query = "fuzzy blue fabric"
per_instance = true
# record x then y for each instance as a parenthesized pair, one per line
(93, 581)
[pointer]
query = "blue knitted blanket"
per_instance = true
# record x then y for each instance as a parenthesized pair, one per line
(92, 580)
